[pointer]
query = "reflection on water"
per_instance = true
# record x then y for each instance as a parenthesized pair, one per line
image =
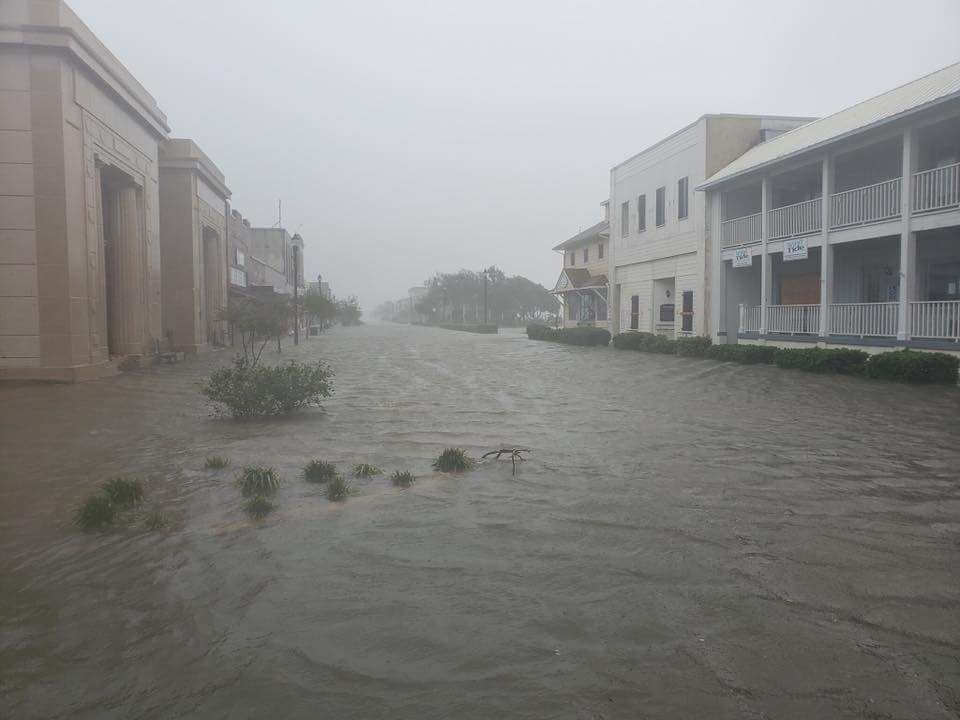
(689, 539)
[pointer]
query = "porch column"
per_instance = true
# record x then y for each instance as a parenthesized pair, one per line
(908, 239)
(826, 250)
(716, 312)
(765, 269)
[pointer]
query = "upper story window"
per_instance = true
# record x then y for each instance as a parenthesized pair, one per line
(600, 251)
(624, 218)
(683, 198)
(586, 255)
(573, 258)
(661, 206)
(641, 213)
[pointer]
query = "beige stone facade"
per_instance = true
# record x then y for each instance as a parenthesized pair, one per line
(193, 246)
(80, 272)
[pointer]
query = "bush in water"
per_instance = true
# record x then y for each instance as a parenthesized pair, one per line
(251, 391)
(746, 354)
(364, 470)
(156, 520)
(320, 471)
(821, 360)
(124, 492)
(698, 346)
(96, 512)
(338, 489)
(913, 366)
(258, 480)
(403, 479)
(216, 462)
(453, 460)
(587, 336)
(258, 507)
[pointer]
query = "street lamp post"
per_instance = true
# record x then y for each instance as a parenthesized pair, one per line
(296, 295)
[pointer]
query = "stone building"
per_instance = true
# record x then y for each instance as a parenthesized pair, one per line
(193, 246)
(79, 206)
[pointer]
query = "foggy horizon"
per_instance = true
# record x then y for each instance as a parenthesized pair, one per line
(403, 141)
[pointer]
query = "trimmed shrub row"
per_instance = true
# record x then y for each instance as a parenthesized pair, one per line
(905, 365)
(588, 336)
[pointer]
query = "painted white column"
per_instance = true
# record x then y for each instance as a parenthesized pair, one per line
(908, 239)
(765, 269)
(826, 250)
(716, 272)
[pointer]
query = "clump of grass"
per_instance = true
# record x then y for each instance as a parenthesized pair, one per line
(156, 520)
(258, 507)
(365, 470)
(338, 489)
(453, 460)
(96, 513)
(124, 492)
(320, 471)
(258, 480)
(403, 479)
(216, 462)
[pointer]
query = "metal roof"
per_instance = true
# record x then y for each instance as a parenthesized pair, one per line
(934, 88)
(601, 228)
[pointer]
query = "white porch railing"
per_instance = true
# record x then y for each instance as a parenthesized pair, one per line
(741, 230)
(936, 189)
(864, 319)
(793, 319)
(799, 219)
(749, 319)
(935, 319)
(865, 204)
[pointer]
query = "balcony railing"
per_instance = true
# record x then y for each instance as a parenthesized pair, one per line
(799, 219)
(741, 230)
(749, 319)
(935, 319)
(872, 203)
(793, 319)
(936, 189)
(864, 319)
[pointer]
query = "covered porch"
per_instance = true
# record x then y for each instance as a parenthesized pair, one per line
(583, 297)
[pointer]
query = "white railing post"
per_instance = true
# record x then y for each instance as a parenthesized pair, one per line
(764, 256)
(908, 241)
(826, 251)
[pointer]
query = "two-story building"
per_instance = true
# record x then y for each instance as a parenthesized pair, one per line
(582, 287)
(658, 251)
(846, 231)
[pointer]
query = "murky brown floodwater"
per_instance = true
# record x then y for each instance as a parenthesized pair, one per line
(690, 540)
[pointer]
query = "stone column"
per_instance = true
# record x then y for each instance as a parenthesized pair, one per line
(127, 306)
(765, 269)
(908, 239)
(826, 250)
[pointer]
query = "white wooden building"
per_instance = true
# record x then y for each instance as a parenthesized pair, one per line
(582, 287)
(846, 231)
(658, 256)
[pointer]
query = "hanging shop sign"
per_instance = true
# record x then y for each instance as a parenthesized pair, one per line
(742, 258)
(795, 249)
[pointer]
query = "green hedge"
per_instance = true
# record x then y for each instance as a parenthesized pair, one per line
(746, 354)
(646, 342)
(913, 366)
(821, 360)
(698, 346)
(588, 336)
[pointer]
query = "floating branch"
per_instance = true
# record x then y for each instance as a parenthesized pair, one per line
(513, 452)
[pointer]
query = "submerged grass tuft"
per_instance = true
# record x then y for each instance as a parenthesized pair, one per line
(365, 470)
(124, 492)
(216, 462)
(258, 480)
(258, 507)
(453, 460)
(95, 513)
(403, 479)
(339, 489)
(156, 520)
(320, 471)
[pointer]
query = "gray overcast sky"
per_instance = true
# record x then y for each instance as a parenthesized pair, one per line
(410, 137)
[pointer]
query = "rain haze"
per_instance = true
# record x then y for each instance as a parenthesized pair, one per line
(409, 138)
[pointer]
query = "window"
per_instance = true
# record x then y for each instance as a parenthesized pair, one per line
(635, 312)
(687, 312)
(683, 202)
(641, 213)
(573, 258)
(661, 206)
(624, 218)
(573, 306)
(586, 255)
(238, 257)
(600, 251)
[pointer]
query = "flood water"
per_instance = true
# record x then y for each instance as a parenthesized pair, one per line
(689, 539)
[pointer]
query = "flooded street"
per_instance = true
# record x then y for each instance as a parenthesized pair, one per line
(689, 539)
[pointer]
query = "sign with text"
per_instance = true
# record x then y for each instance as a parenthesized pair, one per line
(742, 258)
(795, 249)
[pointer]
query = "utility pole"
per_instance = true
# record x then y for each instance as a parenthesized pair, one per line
(296, 295)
